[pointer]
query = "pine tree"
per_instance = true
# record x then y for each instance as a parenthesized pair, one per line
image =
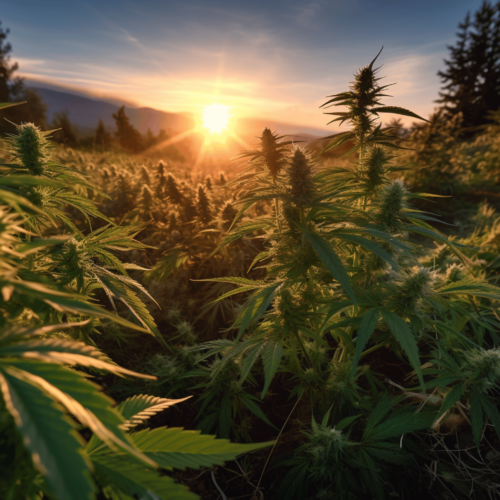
(472, 77)
(65, 134)
(12, 89)
(128, 136)
(102, 138)
(150, 139)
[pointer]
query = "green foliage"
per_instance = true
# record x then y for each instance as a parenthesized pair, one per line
(333, 465)
(305, 288)
(330, 300)
(48, 280)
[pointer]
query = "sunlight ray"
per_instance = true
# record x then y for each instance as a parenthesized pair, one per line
(171, 140)
(201, 154)
(238, 139)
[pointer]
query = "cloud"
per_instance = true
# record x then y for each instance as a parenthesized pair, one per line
(306, 15)
(30, 63)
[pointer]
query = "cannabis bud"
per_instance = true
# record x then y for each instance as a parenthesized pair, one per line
(291, 214)
(274, 156)
(366, 92)
(222, 179)
(203, 205)
(173, 190)
(415, 284)
(146, 197)
(485, 367)
(31, 147)
(145, 175)
(375, 160)
(189, 211)
(186, 333)
(300, 177)
(227, 215)
(160, 169)
(455, 273)
(392, 203)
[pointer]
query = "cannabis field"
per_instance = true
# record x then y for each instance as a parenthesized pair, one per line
(307, 326)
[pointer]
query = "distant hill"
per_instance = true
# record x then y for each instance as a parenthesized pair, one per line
(85, 110)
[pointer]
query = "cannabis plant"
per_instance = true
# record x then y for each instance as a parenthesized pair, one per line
(47, 407)
(346, 284)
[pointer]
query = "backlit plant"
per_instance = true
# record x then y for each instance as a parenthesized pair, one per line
(302, 288)
(47, 283)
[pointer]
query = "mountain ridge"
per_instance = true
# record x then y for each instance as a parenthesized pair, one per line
(85, 110)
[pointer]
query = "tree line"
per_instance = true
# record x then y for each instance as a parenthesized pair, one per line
(126, 136)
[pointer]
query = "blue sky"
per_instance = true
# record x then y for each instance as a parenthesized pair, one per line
(271, 58)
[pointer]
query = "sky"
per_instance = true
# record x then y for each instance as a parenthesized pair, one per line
(276, 58)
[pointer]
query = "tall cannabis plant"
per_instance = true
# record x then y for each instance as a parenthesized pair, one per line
(348, 282)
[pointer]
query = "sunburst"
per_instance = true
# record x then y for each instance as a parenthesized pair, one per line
(215, 117)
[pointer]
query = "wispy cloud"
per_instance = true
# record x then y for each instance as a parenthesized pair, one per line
(307, 15)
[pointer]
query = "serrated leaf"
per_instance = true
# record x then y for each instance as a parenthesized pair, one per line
(491, 409)
(340, 139)
(371, 246)
(67, 352)
(139, 408)
(396, 110)
(255, 307)
(346, 422)
(401, 421)
(451, 398)
(80, 398)
(476, 414)
(54, 445)
(400, 329)
(389, 452)
(250, 358)
(365, 331)
(381, 409)
(271, 357)
(332, 262)
(251, 403)
(176, 448)
(137, 481)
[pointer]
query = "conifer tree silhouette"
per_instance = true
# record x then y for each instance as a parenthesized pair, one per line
(128, 136)
(12, 89)
(472, 76)
(102, 138)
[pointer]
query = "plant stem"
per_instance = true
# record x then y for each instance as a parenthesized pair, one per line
(277, 439)
(277, 209)
(297, 336)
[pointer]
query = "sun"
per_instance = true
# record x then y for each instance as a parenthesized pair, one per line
(215, 117)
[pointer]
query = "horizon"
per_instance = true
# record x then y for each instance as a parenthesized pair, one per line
(116, 101)
(261, 61)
